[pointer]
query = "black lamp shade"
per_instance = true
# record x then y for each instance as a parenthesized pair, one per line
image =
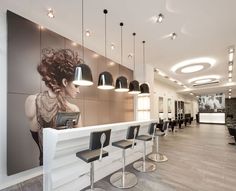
(83, 75)
(121, 84)
(105, 81)
(134, 87)
(144, 88)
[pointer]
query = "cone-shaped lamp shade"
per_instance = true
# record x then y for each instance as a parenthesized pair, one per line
(105, 81)
(83, 75)
(121, 84)
(144, 88)
(134, 87)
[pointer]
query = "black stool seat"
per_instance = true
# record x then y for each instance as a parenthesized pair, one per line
(123, 144)
(144, 138)
(91, 155)
(159, 133)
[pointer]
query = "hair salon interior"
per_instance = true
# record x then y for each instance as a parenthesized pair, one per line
(117, 94)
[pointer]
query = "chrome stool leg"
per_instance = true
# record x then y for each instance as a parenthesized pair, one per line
(144, 166)
(155, 155)
(92, 179)
(123, 179)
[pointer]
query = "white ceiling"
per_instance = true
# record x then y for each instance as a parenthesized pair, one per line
(205, 28)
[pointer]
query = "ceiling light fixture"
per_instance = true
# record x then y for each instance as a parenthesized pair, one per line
(230, 74)
(204, 61)
(229, 97)
(121, 81)
(105, 80)
(230, 79)
(230, 90)
(211, 77)
(191, 69)
(88, 33)
(134, 87)
(83, 75)
(160, 18)
(144, 88)
(50, 13)
(112, 46)
(173, 36)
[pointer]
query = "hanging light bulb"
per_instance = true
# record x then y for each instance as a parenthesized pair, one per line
(134, 85)
(105, 80)
(83, 75)
(121, 81)
(144, 88)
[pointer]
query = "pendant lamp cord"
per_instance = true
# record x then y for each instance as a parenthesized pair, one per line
(105, 13)
(121, 45)
(134, 53)
(144, 68)
(83, 29)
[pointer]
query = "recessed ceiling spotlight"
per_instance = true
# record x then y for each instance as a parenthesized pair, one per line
(50, 13)
(191, 69)
(230, 74)
(88, 33)
(230, 79)
(230, 90)
(112, 46)
(191, 93)
(230, 93)
(179, 83)
(130, 55)
(171, 79)
(231, 56)
(230, 66)
(160, 18)
(74, 43)
(173, 36)
(161, 73)
(229, 97)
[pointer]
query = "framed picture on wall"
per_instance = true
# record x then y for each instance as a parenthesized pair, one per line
(161, 105)
(169, 105)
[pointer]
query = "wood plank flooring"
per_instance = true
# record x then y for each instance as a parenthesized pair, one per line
(200, 159)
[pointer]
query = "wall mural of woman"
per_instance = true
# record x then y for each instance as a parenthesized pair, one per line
(57, 71)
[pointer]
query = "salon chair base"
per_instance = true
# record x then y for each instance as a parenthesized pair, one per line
(144, 166)
(157, 157)
(95, 189)
(128, 181)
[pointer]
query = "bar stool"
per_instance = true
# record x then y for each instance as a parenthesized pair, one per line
(143, 165)
(98, 140)
(155, 155)
(125, 179)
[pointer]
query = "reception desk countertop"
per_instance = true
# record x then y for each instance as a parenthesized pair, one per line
(64, 171)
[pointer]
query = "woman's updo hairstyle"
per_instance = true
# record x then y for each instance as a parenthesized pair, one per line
(56, 65)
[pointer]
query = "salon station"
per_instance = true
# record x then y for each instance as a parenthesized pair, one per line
(117, 95)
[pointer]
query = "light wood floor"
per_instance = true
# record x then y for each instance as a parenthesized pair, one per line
(200, 159)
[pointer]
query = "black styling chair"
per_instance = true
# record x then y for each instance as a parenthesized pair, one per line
(155, 155)
(143, 165)
(125, 179)
(98, 140)
(232, 132)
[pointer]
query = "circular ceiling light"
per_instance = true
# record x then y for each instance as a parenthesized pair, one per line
(191, 69)
(197, 64)
(204, 79)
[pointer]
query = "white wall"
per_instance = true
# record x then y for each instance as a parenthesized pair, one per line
(5, 180)
(166, 91)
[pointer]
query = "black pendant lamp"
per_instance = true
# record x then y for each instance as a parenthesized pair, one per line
(144, 87)
(121, 81)
(105, 80)
(83, 75)
(134, 85)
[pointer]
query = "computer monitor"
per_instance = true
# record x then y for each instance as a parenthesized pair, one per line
(67, 119)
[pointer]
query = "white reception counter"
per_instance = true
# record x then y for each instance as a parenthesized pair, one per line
(218, 118)
(63, 171)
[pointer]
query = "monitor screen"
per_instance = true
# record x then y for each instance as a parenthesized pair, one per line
(67, 118)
